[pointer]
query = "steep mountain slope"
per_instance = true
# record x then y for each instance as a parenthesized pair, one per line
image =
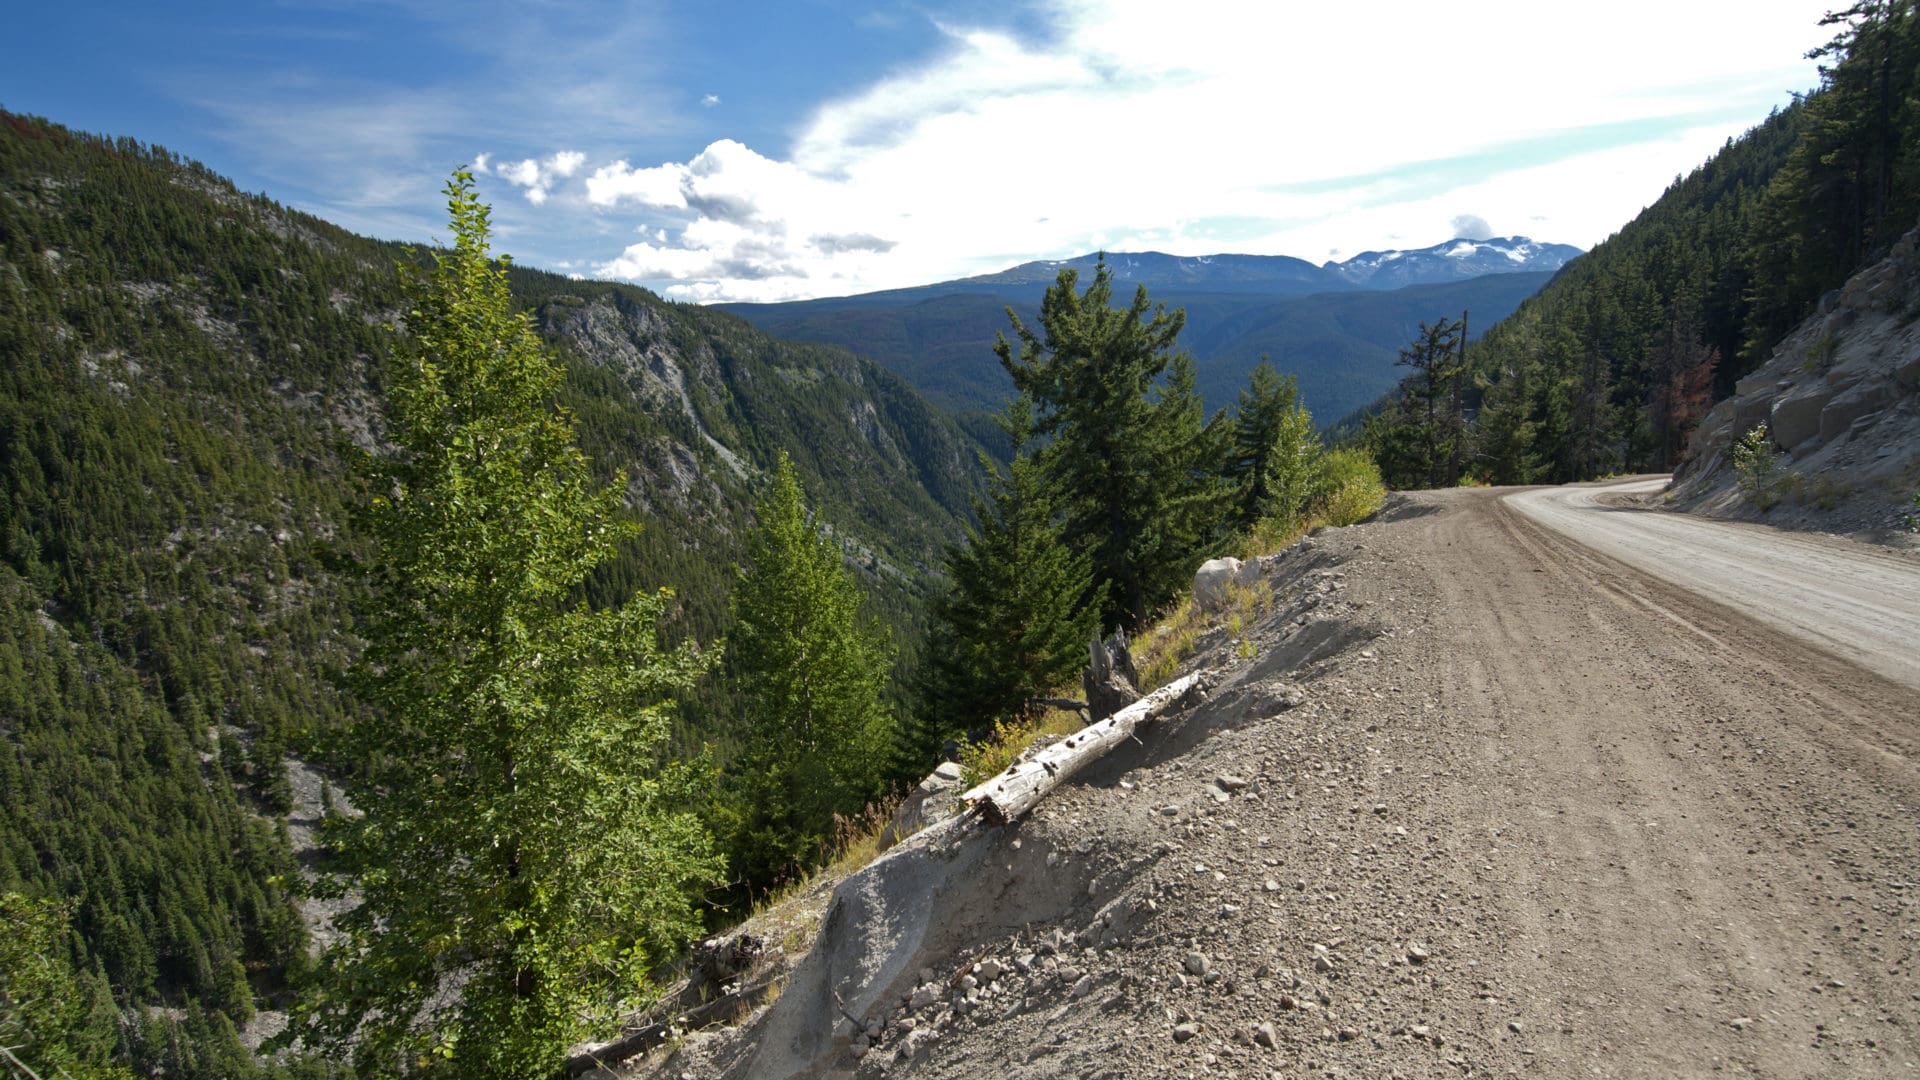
(1613, 365)
(1341, 344)
(188, 373)
(1840, 400)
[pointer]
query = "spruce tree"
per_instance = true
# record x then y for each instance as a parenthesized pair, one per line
(1132, 452)
(1020, 608)
(1275, 447)
(812, 668)
(520, 858)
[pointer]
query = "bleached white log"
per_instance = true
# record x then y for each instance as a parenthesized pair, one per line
(1015, 791)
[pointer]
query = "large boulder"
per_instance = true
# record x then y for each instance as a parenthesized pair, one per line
(1796, 417)
(932, 801)
(1214, 581)
(1863, 399)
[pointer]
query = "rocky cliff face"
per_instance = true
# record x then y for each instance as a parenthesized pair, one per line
(1840, 398)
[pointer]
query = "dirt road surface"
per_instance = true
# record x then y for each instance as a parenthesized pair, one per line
(1858, 601)
(1486, 801)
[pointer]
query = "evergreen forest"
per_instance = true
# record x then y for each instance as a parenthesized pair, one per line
(413, 588)
(1611, 366)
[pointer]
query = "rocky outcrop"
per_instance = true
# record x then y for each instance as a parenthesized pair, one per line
(1840, 397)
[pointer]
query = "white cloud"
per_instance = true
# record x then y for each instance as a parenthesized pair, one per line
(537, 177)
(710, 100)
(1232, 127)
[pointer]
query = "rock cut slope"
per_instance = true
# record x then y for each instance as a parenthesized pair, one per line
(1481, 802)
(1840, 396)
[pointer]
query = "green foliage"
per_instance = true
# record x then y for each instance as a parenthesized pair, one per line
(1015, 621)
(1275, 449)
(1420, 440)
(811, 667)
(522, 858)
(1349, 487)
(185, 373)
(1613, 364)
(1756, 465)
(52, 1020)
(1132, 453)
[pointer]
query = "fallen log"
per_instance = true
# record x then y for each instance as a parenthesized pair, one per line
(1015, 791)
(644, 1038)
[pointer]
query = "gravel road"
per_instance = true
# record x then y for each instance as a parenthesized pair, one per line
(1860, 601)
(1484, 801)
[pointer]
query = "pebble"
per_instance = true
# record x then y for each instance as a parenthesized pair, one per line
(1231, 783)
(1196, 964)
(1184, 1032)
(1418, 954)
(1348, 1034)
(1265, 1036)
(1516, 1026)
(1740, 1022)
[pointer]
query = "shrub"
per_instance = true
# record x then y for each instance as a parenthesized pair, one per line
(1350, 486)
(1756, 466)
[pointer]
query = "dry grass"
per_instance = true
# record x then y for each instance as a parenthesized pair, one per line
(983, 760)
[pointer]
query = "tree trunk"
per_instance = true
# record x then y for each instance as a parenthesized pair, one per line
(1016, 791)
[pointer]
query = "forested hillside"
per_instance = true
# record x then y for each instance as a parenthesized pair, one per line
(1616, 361)
(190, 376)
(1340, 345)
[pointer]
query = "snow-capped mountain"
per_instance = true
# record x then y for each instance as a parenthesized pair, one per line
(1455, 260)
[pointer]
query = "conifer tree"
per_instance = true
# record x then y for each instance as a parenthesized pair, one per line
(521, 858)
(1133, 454)
(812, 668)
(1020, 609)
(1274, 448)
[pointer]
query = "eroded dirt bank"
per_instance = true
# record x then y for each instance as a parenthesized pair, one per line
(1483, 803)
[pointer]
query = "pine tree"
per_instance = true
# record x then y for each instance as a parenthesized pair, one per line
(812, 668)
(1275, 447)
(1431, 408)
(521, 860)
(1020, 609)
(1132, 453)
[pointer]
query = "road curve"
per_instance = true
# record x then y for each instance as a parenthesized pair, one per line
(1859, 602)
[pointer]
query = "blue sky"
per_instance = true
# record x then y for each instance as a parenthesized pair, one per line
(823, 147)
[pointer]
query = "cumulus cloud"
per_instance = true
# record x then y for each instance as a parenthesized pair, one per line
(538, 177)
(710, 100)
(1228, 129)
(1471, 227)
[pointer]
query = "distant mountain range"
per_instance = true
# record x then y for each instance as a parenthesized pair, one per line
(1338, 326)
(1455, 260)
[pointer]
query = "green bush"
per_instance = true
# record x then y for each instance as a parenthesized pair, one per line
(1351, 489)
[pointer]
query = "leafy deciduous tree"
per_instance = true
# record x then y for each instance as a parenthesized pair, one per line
(521, 857)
